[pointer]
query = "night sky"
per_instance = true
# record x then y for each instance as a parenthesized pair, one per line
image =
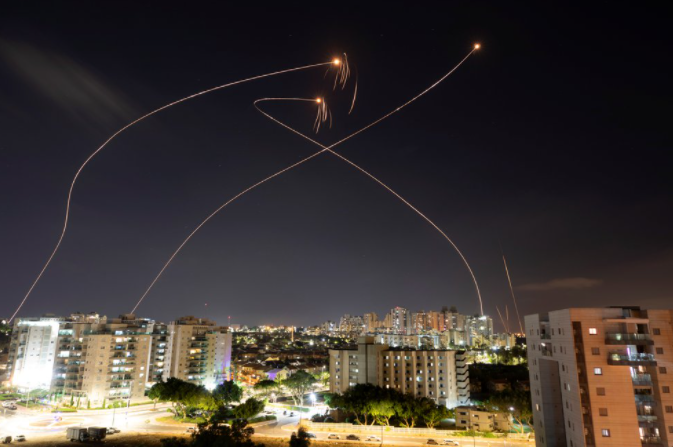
(553, 141)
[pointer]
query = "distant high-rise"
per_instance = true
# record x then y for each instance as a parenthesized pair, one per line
(601, 377)
(398, 320)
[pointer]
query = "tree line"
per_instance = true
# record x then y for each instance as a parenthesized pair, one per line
(370, 404)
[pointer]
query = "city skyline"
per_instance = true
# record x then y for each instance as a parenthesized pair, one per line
(564, 167)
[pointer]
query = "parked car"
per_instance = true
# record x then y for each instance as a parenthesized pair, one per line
(333, 436)
(373, 438)
(450, 442)
(112, 430)
(432, 442)
(20, 438)
(353, 438)
(191, 429)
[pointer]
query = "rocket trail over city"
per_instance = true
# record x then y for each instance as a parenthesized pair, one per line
(329, 149)
(511, 290)
(341, 76)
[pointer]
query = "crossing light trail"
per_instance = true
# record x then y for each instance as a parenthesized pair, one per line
(511, 289)
(342, 73)
(388, 188)
(323, 150)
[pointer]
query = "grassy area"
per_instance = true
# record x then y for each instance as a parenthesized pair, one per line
(10, 396)
(64, 410)
(171, 419)
(31, 405)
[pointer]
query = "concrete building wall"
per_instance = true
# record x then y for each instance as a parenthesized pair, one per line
(613, 374)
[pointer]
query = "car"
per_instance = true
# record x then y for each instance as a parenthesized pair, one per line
(450, 442)
(191, 429)
(112, 430)
(353, 438)
(11, 407)
(20, 438)
(333, 436)
(431, 442)
(373, 438)
(6, 439)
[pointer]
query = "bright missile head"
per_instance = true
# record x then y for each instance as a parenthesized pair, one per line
(336, 61)
(318, 100)
(477, 46)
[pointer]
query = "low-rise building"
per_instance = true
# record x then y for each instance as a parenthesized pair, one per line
(480, 419)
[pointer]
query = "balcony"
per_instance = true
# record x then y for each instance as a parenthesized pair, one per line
(650, 440)
(647, 418)
(644, 398)
(628, 339)
(642, 380)
(615, 358)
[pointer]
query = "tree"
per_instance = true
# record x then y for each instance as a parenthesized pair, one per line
(432, 413)
(382, 410)
(158, 392)
(300, 439)
(298, 384)
(266, 387)
(183, 395)
(517, 403)
(250, 408)
(228, 392)
(407, 410)
(217, 435)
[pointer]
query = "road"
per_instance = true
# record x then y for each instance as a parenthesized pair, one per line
(35, 425)
(283, 427)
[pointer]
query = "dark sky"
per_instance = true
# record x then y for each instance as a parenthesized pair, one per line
(554, 140)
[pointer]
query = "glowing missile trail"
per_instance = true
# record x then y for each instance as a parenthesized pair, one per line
(304, 160)
(342, 76)
(511, 289)
(416, 210)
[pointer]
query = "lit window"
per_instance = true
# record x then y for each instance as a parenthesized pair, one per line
(598, 371)
(605, 432)
(593, 331)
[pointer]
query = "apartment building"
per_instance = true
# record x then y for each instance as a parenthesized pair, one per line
(441, 375)
(601, 377)
(480, 419)
(101, 360)
(198, 351)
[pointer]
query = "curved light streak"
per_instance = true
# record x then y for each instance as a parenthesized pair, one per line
(368, 174)
(342, 66)
(304, 160)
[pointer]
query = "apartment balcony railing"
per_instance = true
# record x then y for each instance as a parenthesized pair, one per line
(615, 358)
(642, 380)
(628, 339)
(651, 440)
(644, 398)
(647, 418)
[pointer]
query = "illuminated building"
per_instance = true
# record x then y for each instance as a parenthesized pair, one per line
(198, 352)
(601, 377)
(441, 375)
